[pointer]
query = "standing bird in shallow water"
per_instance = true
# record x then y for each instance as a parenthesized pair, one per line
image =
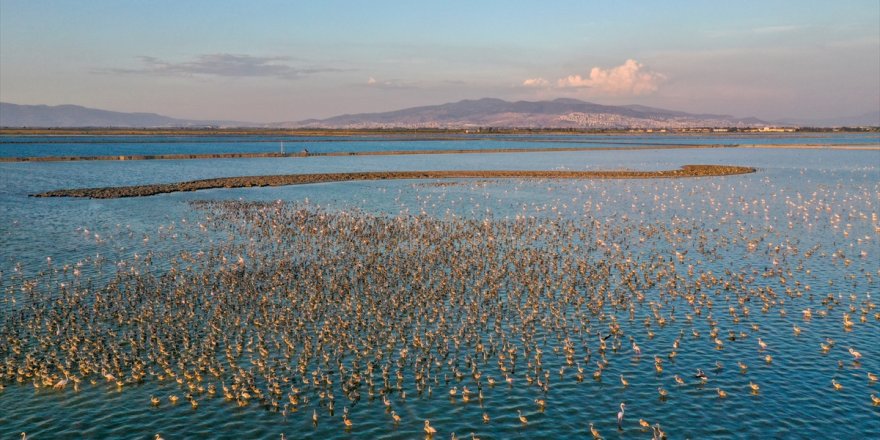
(522, 418)
(620, 416)
(63, 382)
(594, 431)
(658, 433)
(429, 430)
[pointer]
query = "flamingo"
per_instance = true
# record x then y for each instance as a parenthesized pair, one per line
(429, 430)
(594, 431)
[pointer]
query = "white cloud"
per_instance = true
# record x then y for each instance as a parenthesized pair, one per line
(629, 78)
(536, 82)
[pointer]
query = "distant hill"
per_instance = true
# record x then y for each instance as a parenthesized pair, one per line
(559, 113)
(486, 112)
(63, 116)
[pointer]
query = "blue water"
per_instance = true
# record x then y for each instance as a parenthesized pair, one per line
(798, 199)
(42, 146)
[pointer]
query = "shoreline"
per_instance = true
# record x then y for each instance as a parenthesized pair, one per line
(857, 147)
(303, 179)
(345, 153)
(851, 147)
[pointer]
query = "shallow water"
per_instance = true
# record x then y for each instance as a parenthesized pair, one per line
(42, 146)
(809, 198)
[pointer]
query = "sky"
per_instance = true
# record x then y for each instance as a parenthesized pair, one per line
(272, 61)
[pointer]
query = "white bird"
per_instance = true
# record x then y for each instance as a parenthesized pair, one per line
(620, 415)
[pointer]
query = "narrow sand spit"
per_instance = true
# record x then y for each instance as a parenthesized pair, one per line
(302, 179)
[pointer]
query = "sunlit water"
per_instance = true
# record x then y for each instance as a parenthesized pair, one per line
(827, 200)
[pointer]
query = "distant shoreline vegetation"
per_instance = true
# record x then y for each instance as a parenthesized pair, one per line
(303, 179)
(303, 153)
(306, 153)
(219, 131)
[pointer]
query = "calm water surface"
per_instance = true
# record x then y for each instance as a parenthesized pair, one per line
(822, 200)
(41, 146)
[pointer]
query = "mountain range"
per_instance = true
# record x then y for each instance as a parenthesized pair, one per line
(486, 112)
(559, 113)
(68, 116)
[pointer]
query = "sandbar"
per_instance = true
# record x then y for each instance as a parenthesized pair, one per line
(302, 179)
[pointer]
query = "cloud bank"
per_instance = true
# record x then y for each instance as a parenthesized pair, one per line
(224, 65)
(536, 82)
(391, 84)
(629, 78)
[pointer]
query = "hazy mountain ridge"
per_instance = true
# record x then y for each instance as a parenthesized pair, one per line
(486, 112)
(67, 116)
(559, 113)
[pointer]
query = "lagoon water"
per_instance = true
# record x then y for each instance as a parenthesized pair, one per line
(42, 146)
(820, 207)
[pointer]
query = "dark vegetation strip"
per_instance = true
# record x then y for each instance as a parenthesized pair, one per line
(301, 179)
(346, 139)
(343, 153)
(246, 131)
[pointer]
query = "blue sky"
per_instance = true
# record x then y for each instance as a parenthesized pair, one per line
(268, 61)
